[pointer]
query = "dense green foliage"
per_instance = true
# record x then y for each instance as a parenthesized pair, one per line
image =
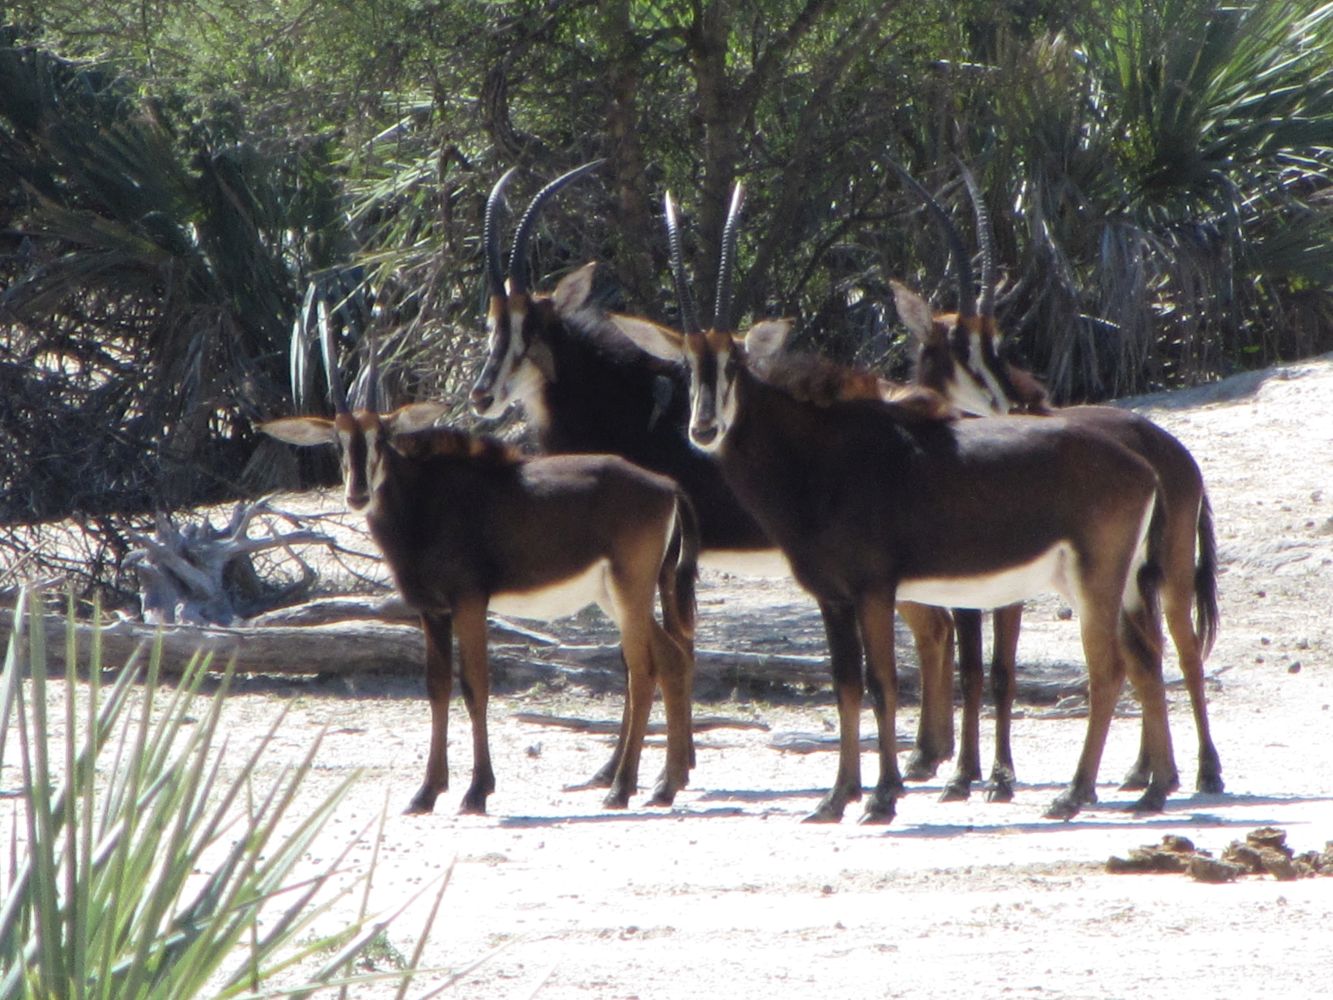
(173, 173)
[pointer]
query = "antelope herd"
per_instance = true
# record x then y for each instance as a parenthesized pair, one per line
(668, 448)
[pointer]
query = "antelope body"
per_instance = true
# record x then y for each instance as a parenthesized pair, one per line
(467, 524)
(584, 387)
(871, 503)
(959, 356)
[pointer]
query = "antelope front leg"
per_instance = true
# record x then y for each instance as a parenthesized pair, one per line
(437, 629)
(875, 615)
(845, 657)
(475, 678)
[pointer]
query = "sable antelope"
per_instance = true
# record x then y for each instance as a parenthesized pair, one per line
(872, 504)
(466, 524)
(958, 355)
(585, 388)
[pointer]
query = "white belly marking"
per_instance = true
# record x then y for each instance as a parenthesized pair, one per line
(1050, 571)
(558, 600)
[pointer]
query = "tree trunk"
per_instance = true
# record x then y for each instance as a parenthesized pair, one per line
(637, 266)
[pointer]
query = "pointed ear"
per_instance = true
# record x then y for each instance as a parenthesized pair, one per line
(765, 340)
(415, 417)
(304, 431)
(572, 291)
(914, 312)
(659, 341)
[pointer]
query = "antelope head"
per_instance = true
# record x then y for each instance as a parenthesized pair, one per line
(516, 362)
(363, 436)
(715, 357)
(958, 354)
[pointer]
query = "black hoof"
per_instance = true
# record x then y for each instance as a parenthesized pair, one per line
(957, 790)
(826, 813)
(920, 767)
(423, 803)
(1152, 801)
(1068, 803)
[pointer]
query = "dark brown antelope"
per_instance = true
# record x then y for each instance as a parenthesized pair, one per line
(959, 356)
(585, 388)
(872, 503)
(466, 524)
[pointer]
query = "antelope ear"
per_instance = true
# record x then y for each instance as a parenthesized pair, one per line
(659, 341)
(415, 417)
(304, 431)
(914, 312)
(766, 339)
(572, 291)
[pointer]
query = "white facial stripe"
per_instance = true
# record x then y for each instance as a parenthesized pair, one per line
(699, 395)
(726, 395)
(517, 380)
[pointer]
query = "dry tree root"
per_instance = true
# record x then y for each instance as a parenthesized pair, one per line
(202, 575)
(1263, 852)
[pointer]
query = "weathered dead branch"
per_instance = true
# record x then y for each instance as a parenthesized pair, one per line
(202, 575)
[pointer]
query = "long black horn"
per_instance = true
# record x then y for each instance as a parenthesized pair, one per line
(962, 260)
(490, 234)
(986, 240)
(726, 262)
(689, 319)
(518, 253)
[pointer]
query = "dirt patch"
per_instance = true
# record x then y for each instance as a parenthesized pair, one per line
(728, 893)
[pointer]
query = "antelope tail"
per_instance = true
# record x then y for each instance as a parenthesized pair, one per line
(1205, 580)
(680, 569)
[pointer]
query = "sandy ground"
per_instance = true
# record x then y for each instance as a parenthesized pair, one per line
(729, 894)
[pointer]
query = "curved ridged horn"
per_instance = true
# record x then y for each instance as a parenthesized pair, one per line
(330, 352)
(986, 241)
(962, 260)
(726, 262)
(689, 319)
(490, 234)
(518, 253)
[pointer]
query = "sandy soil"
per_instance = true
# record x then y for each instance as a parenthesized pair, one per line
(729, 894)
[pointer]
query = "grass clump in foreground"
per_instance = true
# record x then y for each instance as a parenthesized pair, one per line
(166, 878)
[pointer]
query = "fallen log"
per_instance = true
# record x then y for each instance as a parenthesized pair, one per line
(519, 656)
(700, 723)
(797, 742)
(338, 648)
